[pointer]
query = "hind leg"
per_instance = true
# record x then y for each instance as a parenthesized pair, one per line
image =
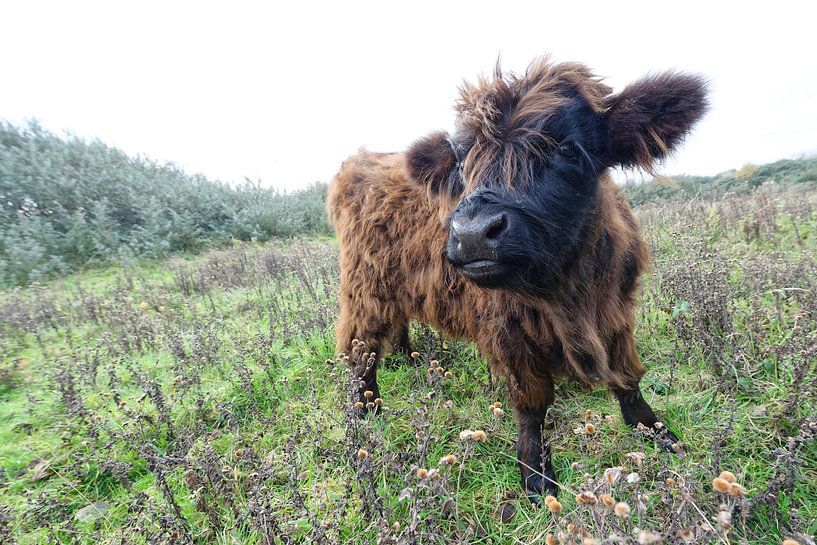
(402, 342)
(367, 325)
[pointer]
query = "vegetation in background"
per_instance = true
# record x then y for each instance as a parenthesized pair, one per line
(67, 203)
(782, 175)
(201, 401)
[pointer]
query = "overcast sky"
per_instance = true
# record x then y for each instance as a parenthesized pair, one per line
(283, 93)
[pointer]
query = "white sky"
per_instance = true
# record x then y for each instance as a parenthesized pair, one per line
(283, 92)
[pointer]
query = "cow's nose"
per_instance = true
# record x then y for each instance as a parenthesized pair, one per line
(478, 237)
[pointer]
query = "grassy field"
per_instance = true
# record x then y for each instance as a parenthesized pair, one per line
(201, 401)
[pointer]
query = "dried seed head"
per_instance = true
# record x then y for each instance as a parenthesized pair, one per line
(498, 404)
(448, 374)
(465, 435)
(415, 355)
(622, 509)
(670, 481)
(607, 500)
(422, 473)
(435, 363)
(368, 393)
(329, 362)
(636, 457)
(362, 454)
(586, 498)
(555, 506)
(448, 460)
(479, 436)
(724, 519)
(633, 478)
(550, 539)
(440, 370)
(192, 479)
(721, 485)
(728, 476)
(549, 499)
(571, 528)
(645, 537)
(686, 535)
(737, 490)
(612, 475)
(430, 370)
(396, 526)
(498, 412)
(589, 428)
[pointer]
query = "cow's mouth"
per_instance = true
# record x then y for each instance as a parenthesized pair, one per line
(485, 271)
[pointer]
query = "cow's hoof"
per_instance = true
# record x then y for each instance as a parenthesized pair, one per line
(664, 438)
(366, 412)
(538, 487)
(669, 441)
(366, 408)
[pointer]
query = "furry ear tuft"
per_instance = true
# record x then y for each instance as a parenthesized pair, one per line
(431, 161)
(650, 117)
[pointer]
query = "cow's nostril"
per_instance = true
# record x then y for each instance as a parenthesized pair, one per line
(496, 226)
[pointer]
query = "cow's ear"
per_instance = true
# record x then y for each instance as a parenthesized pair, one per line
(650, 117)
(431, 162)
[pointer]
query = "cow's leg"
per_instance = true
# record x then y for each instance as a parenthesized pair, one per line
(402, 342)
(373, 330)
(634, 408)
(531, 396)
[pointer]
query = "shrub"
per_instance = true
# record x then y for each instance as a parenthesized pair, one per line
(67, 203)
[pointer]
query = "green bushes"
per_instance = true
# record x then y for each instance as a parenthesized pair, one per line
(67, 203)
(784, 173)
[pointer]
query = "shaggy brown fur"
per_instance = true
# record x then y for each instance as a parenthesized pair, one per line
(393, 269)
(389, 211)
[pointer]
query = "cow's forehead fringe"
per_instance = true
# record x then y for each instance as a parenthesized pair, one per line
(494, 105)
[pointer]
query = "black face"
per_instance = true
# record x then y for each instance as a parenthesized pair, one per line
(521, 233)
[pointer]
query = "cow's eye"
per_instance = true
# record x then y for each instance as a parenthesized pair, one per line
(568, 150)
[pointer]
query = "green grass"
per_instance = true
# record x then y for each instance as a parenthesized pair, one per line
(193, 396)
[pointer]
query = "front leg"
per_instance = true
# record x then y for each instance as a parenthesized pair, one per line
(531, 393)
(626, 365)
(533, 454)
(636, 410)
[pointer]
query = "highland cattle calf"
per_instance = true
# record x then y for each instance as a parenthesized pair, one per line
(511, 232)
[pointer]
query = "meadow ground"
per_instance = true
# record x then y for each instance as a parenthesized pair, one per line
(200, 400)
